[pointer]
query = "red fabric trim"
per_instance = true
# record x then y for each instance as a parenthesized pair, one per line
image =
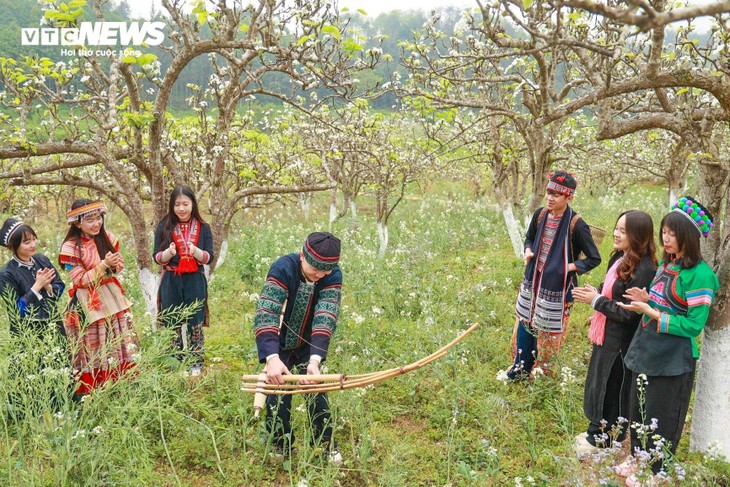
(187, 265)
(304, 322)
(281, 284)
(320, 257)
(88, 381)
(68, 259)
(673, 287)
(332, 286)
(261, 331)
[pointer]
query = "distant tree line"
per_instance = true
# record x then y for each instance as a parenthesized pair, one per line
(394, 26)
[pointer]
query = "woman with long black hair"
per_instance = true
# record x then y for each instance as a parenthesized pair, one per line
(98, 322)
(183, 245)
(663, 354)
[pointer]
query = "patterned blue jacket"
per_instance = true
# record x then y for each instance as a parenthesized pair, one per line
(310, 311)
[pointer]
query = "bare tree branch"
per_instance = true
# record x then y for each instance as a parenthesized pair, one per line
(650, 18)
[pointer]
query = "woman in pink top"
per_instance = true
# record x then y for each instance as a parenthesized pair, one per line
(98, 322)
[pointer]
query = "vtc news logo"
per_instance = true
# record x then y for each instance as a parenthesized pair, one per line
(96, 34)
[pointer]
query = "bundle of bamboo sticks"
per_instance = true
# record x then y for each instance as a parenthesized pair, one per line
(335, 382)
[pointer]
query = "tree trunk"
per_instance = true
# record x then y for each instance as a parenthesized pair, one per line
(513, 226)
(220, 235)
(222, 253)
(673, 194)
(713, 184)
(305, 200)
(333, 206)
(148, 283)
(353, 209)
(541, 143)
(148, 279)
(711, 413)
(383, 238)
(534, 203)
(674, 181)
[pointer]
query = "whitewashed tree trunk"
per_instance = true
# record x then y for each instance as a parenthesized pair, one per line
(333, 206)
(333, 215)
(711, 413)
(148, 283)
(353, 209)
(305, 199)
(222, 253)
(513, 229)
(672, 197)
(383, 238)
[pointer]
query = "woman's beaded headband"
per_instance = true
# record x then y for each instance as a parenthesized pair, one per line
(78, 213)
(697, 214)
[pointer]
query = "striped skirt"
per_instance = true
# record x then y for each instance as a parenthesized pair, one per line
(101, 350)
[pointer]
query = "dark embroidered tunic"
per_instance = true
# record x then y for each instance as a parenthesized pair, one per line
(544, 295)
(177, 289)
(310, 310)
(16, 280)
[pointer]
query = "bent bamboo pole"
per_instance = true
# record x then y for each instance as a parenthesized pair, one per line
(335, 382)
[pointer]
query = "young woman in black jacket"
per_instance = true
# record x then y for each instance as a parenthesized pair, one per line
(632, 264)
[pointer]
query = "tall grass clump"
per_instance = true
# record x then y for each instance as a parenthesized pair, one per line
(121, 433)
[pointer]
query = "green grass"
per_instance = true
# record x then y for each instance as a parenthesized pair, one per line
(452, 423)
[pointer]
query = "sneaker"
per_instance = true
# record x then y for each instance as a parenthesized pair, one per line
(334, 457)
(627, 468)
(633, 480)
(583, 447)
(196, 370)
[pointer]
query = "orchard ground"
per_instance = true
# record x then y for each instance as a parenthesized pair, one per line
(450, 264)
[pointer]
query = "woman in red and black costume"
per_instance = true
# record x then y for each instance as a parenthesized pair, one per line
(183, 245)
(98, 321)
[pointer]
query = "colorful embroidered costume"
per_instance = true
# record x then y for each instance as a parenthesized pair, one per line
(544, 299)
(183, 283)
(310, 314)
(666, 350)
(98, 323)
(295, 318)
(663, 354)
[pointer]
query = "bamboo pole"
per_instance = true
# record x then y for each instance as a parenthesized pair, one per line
(335, 382)
(298, 377)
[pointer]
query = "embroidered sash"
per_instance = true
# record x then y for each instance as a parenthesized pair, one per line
(187, 263)
(541, 301)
